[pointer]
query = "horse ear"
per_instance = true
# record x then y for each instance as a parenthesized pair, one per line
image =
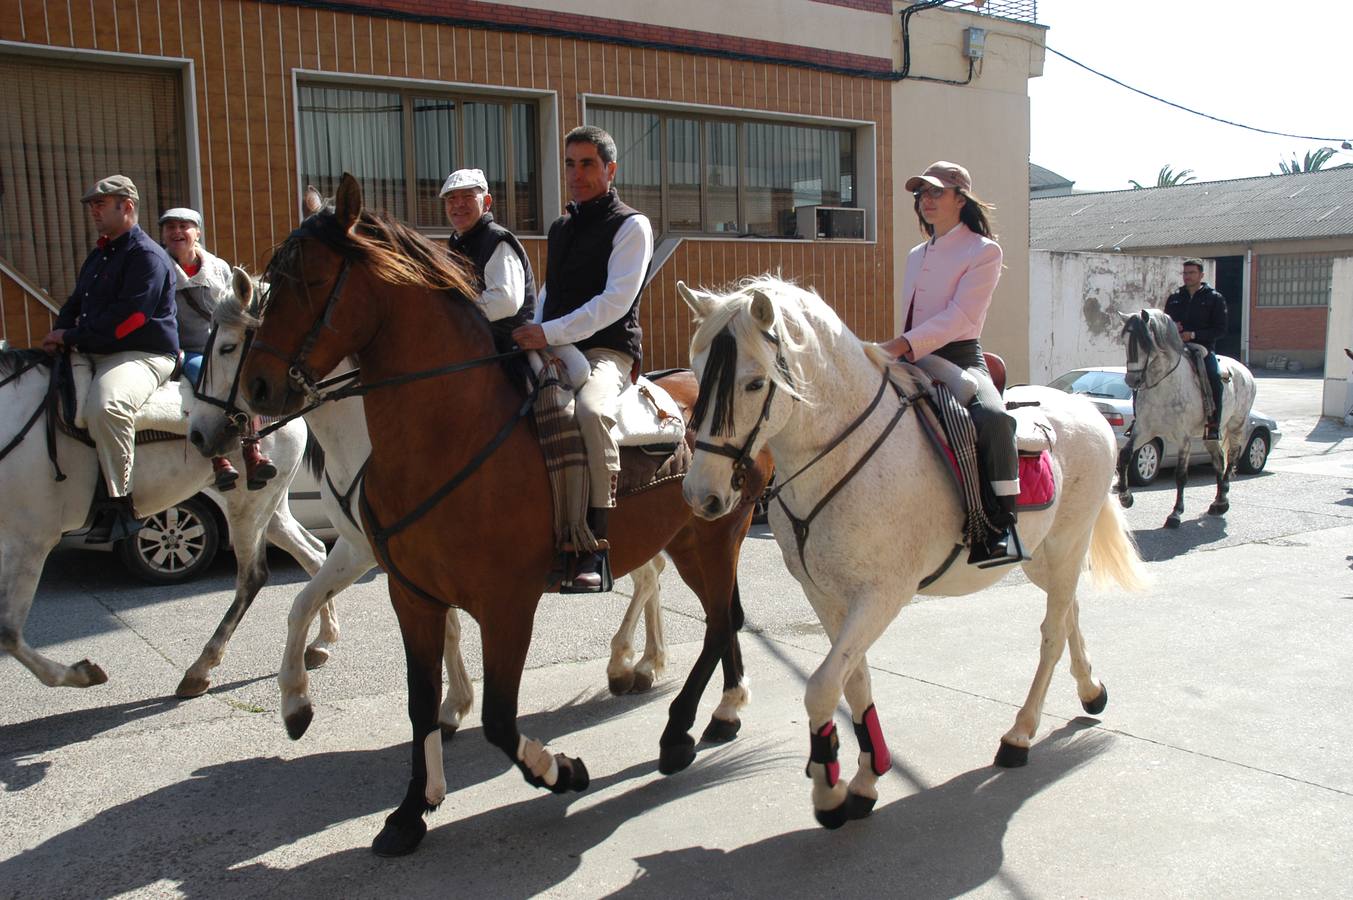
(243, 286)
(763, 310)
(1126, 317)
(348, 202)
(312, 202)
(1146, 316)
(698, 303)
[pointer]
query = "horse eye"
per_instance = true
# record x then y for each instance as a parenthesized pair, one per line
(756, 384)
(227, 349)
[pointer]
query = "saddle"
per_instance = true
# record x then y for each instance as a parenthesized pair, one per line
(161, 418)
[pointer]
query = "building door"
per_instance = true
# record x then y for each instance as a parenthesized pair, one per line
(1230, 282)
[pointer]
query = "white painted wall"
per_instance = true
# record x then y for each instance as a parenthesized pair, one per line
(1338, 394)
(1074, 299)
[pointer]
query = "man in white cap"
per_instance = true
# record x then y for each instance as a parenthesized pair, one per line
(506, 284)
(201, 280)
(122, 313)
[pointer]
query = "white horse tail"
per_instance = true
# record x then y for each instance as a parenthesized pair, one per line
(1113, 552)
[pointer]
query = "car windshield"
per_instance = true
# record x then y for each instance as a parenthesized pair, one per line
(1095, 384)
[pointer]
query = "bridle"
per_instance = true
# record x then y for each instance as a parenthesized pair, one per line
(298, 370)
(742, 456)
(1135, 350)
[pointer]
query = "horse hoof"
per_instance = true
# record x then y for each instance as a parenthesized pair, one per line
(720, 732)
(192, 686)
(573, 775)
(448, 731)
(859, 806)
(91, 673)
(399, 840)
(1218, 509)
(620, 685)
(1096, 706)
(1011, 757)
(315, 657)
(1172, 522)
(672, 758)
(298, 721)
(643, 683)
(1125, 501)
(832, 819)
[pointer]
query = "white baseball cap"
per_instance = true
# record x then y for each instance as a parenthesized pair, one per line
(182, 214)
(465, 178)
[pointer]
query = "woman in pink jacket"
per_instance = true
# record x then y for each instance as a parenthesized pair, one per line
(947, 288)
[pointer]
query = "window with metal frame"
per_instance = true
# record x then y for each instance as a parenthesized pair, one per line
(69, 124)
(696, 174)
(1295, 279)
(402, 143)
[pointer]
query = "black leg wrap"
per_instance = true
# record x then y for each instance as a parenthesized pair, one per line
(823, 745)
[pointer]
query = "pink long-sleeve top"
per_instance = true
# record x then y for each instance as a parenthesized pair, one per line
(948, 284)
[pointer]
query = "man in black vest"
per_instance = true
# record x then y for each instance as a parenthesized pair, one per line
(598, 255)
(1200, 314)
(506, 283)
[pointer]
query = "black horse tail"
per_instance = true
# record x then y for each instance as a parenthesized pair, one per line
(314, 454)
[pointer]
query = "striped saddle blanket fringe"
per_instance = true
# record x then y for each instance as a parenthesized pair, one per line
(565, 458)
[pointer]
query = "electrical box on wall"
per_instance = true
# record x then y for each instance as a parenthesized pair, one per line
(974, 42)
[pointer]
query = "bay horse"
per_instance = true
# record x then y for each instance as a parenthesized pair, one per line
(875, 515)
(340, 428)
(456, 498)
(1168, 404)
(39, 509)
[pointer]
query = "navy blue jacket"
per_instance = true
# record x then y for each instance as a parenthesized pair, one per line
(123, 299)
(1204, 314)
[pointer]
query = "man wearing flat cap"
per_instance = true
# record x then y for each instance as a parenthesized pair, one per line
(506, 283)
(122, 314)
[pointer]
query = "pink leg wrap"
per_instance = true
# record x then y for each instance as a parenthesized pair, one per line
(870, 735)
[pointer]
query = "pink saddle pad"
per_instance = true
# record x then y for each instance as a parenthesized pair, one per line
(1036, 485)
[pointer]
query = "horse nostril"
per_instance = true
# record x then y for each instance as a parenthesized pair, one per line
(195, 437)
(712, 506)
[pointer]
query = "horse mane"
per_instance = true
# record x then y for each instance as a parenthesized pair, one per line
(397, 255)
(12, 361)
(230, 312)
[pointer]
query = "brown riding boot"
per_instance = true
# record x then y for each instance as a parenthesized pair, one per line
(258, 469)
(587, 572)
(226, 474)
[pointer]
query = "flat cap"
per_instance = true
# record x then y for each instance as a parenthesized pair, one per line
(942, 174)
(465, 178)
(112, 186)
(182, 214)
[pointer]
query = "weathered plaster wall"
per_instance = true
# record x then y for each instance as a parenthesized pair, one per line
(1338, 396)
(1074, 299)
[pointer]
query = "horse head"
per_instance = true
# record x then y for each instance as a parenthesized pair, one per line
(747, 352)
(215, 417)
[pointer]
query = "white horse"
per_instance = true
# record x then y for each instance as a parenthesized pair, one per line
(39, 509)
(1169, 405)
(340, 428)
(877, 519)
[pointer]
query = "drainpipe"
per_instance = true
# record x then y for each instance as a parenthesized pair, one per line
(1245, 308)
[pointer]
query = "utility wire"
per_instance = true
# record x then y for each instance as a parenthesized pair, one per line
(1303, 137)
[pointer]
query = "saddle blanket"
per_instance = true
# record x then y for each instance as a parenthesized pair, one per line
(162, 412)
(648, 415)
(1037, 487)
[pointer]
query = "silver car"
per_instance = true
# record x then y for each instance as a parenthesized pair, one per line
(1107, 389)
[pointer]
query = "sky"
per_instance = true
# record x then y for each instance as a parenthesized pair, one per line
(1282, 66)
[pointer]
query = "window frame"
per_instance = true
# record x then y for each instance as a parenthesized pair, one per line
(864, 134)
(1293, 284)
(459, 93)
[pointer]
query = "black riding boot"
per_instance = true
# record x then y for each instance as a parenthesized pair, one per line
(1001, 547)
(587, 573)
(114, 519)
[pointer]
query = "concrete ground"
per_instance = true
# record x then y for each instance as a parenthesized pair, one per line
(1219, 769)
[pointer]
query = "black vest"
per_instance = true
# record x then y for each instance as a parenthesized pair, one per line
(479, 244)
(577, 266)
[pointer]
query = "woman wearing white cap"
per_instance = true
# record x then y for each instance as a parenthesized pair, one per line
(949, 282)
(201, 280)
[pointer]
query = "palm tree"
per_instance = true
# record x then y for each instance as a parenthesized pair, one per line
(1313, 162)
(1167, 177)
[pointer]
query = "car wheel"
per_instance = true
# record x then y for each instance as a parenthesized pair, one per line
(1255, 457)
(1145, 464)
(175, 545)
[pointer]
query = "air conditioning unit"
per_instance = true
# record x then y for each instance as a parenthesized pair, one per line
(829, 223)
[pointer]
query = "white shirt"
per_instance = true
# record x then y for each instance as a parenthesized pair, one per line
(504, 284)
(631, 252)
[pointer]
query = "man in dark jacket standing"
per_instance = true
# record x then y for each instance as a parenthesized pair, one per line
(1200, 314)
(598, 255)
(122, 313)
(506, 283)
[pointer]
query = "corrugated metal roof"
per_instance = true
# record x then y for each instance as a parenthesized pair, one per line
(1039, 177)
(1268, 208)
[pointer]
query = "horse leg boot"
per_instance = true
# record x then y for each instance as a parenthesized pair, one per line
(258, 469)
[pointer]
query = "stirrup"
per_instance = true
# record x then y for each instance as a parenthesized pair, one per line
(1014, 553)
(603, 573)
